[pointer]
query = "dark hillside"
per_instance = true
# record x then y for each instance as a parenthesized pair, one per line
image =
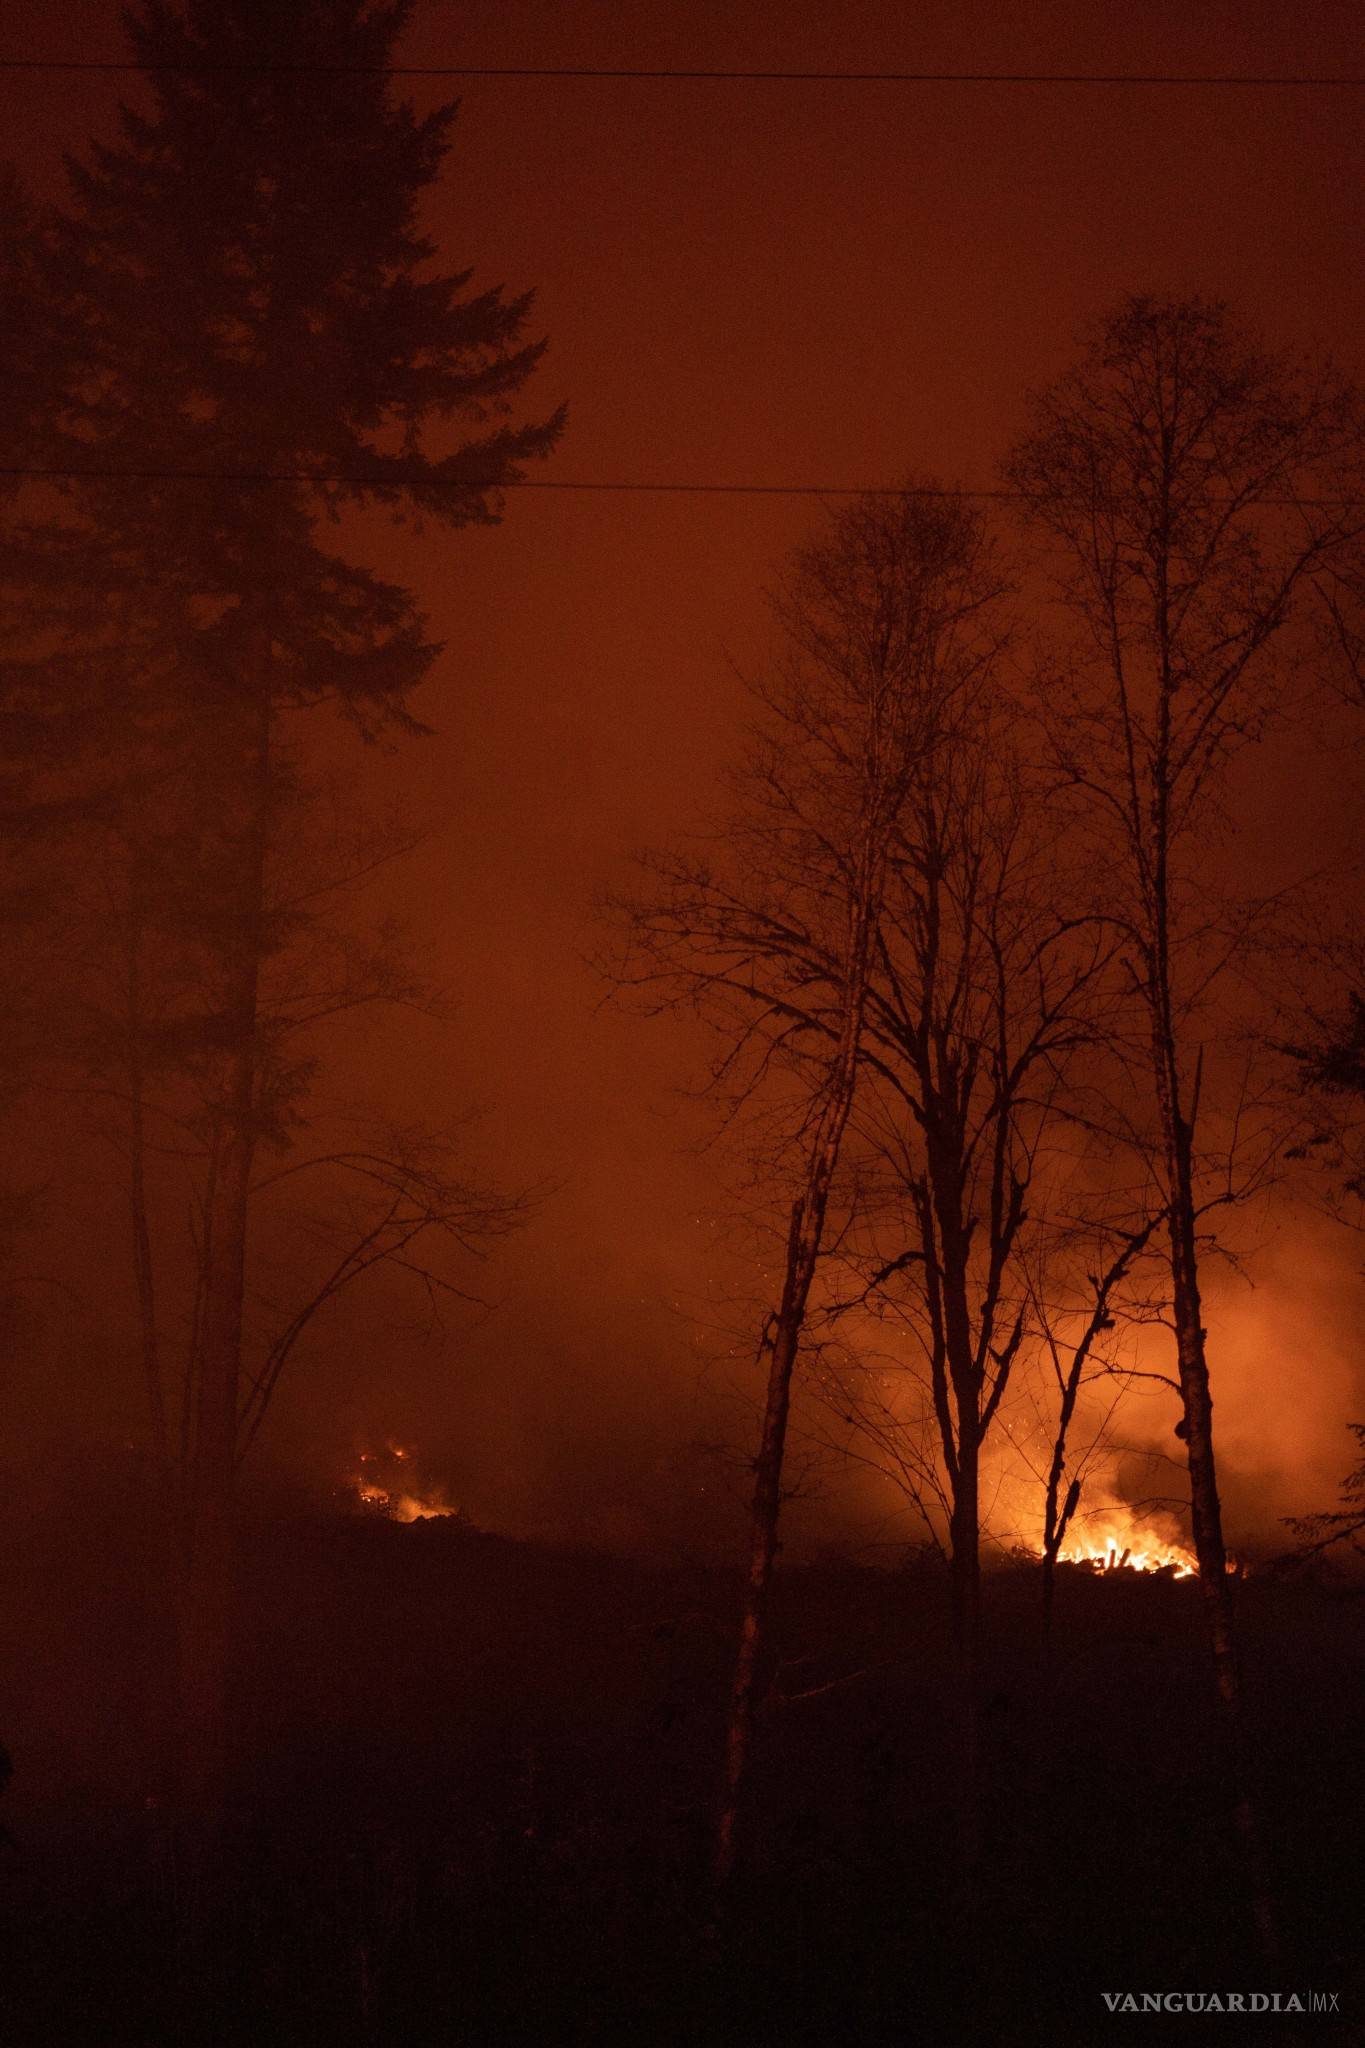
(474, 1780)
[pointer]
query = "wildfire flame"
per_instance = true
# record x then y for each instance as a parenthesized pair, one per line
(398, 1500)
(1115, 1556)
(1113, 1540)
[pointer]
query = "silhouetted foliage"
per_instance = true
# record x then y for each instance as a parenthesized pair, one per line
(1346, 1524)
(1337, 1063)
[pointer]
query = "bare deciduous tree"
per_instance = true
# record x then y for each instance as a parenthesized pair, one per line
(987, 987)
(776, 941)
(1177, 474)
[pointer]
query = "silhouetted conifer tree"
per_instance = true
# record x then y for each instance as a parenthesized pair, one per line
(259, 336)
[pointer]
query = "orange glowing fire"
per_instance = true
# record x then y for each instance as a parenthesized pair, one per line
(1115, 1556)
(383, 1488)
(1113, 1539)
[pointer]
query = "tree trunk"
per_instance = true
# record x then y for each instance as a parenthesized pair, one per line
(143, 1271)
(803, 1251)
(1057, 1520)
(1206, 1516)
(966, 1534)
(207, 1614)
(765, 1511)
(206, 1622)
(966, 1589)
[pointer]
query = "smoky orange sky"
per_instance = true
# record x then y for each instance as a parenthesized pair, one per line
(781, 283)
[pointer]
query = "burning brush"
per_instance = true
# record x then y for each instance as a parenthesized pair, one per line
(387, 1484)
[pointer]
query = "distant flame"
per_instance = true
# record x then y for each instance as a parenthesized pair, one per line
(410, 1507)
(398, 1503)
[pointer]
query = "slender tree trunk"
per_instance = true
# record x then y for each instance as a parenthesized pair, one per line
(764, 1515)
(954, 1238)
(1058, 1513)
(966, 1600)
(1205, 1507)
(1056, 1522)
(207, 1615)
(803, 1251)
(966, 1533)
(143, 1271)
(206, 1622)
(190, 1381)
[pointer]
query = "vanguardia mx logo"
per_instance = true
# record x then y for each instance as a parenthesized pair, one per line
(1223, 2001)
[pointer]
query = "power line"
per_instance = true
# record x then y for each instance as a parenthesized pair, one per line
(526, 483)
(1259, 80)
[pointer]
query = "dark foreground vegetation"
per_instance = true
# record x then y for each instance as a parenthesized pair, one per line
(474, 1780)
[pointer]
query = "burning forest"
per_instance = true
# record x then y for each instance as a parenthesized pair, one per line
(684, 1009)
